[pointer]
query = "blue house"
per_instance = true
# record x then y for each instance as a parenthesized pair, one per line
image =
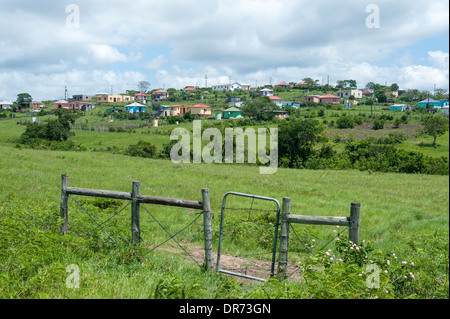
(135, 108)
(430, 103)
(398, 107)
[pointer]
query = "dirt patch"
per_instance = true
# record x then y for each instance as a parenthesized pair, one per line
(247, 266)
(365, 130)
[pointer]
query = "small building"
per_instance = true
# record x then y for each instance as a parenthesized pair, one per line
(399, 107)
(345, 94)
(430, 103)
(135, 108)
(61, 104)
(266, 92)
(234, 101)
(189, 90)
(6, 105)
(113, 98)
(368, 93)
(81, 97)
(141, 97)
(277, 100)
(74, 105)
(230, 87)
(312, 98)
(160, 95)
(330, 99)
(281, 114)
(232, 113)
(444, 111)
(199, 109)
(282, 85)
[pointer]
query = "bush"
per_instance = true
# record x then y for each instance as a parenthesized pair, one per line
(378, 124)
(142, 149)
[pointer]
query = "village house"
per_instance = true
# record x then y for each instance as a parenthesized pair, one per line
(80, 97)
(201, 110)
(430, 103)
(230, 87)
(5, 105)
(266, 92)
(283, 85)
(159, 95)
(232, 113)
(330, 99)
(141, 97)
(112, 98)
(312, 98)
(135, 108)
(345, 94)
(277, 100)
(74, 105)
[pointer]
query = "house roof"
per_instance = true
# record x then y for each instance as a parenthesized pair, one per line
(6, 103)
(141, 94)
(232, 109)
(189, 89)
(200, 105)
(330, 96)
(282, 83)
(160, 91)
(275, 98)
(135, 104)
(428, 101)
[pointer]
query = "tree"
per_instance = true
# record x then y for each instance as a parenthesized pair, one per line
(259, 108)
(297, 137)
(380, 96)
(23, 98)
(347, 83)
(143, 86)
(394, 87)
(434, 125)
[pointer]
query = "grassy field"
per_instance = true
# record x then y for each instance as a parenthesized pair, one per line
(395, 209)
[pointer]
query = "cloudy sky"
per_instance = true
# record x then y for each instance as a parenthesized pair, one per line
(99, 46)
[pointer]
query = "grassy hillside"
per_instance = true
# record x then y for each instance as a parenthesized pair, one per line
(397, 210)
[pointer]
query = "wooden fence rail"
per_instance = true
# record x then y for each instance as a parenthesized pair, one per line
(286, 219)
(136, 198)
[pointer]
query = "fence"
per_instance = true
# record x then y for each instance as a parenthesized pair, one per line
(136, 200)
(282, 221)
(351, 222)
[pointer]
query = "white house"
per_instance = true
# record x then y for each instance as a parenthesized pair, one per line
(5, 105)
(230, 87)
(345, 94)
(266, 92)
(444, 111)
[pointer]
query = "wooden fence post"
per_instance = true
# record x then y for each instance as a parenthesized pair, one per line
(353, 230)
(64, 204)
(135, 227)
(284, 239)
(207, 230)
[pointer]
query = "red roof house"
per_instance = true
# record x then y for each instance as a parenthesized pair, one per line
(329, 98)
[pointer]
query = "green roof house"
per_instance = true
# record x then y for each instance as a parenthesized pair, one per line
(232, 113)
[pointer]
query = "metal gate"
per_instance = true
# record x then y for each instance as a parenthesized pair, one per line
(275, 237)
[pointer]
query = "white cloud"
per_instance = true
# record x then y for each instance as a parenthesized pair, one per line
(250, 40)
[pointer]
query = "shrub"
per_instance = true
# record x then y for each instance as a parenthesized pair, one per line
(378, 124)
(142, 149)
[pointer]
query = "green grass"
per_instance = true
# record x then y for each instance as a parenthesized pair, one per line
(394, 207)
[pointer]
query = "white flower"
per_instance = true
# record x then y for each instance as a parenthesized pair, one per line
(388, 262)
(404, 262)
(412, 264)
